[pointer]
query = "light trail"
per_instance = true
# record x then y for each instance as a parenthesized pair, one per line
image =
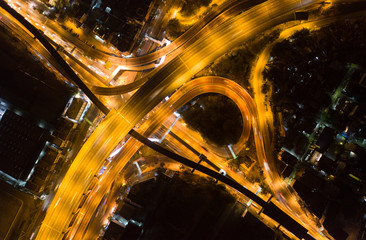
(183, 95)
(213, 45)
(283, 191)
(172, 75)
(273, 12)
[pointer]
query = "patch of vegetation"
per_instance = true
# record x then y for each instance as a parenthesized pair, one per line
(191, 7)
(216, 117)
(192, 207)
(309, 66)
(236, 64)
(175, 29)
(300, 64)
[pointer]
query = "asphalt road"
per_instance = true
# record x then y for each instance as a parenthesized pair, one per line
(117, 124)
(164, 81)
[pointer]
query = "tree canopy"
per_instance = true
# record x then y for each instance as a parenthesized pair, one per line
(175, 28)
(216, 117)
(190, 7)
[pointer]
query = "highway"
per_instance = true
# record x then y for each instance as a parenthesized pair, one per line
(289, 196)
(219, 15)
(199, 30)
(118, 123)
(286, 196)
(39, 50)
(33, 45)
(212, 19)
(181, 129)
(88, 76)
(54, 30)
(283, 189)
(183, 95)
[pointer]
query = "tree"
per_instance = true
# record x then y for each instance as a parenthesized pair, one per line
(216, 117)
(175, 28)
(190, 7)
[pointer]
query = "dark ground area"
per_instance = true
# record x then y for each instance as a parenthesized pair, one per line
(35, 99)
(27, 84)
(216, 117)
(18, 210)
(10, 206)
(308, 67)
(316, 78)
(190, 207)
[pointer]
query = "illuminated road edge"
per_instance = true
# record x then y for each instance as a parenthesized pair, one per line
(96, 150)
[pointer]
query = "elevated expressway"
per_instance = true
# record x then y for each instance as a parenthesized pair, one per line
(182, 96)
(265, 120)
(211, 20)
(203, 84)
(118, 123)
(188, 91)
(286, 197)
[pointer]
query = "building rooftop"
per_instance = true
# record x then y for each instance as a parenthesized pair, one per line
(21, 142)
